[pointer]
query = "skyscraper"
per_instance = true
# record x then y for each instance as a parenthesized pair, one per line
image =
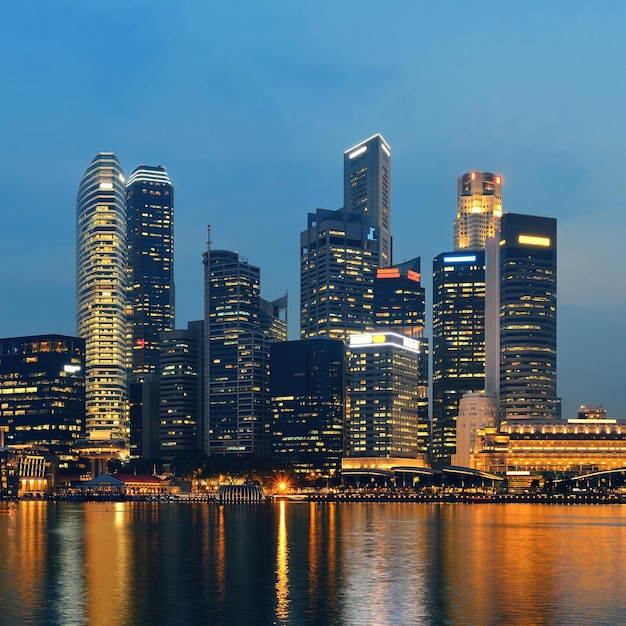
(367, 189)
(150, 282)
(239, 330)
(528, 317)
(150, 214)
(338, 261)
(458, 342)
(400, 307)
(479, 209)
(101, 258)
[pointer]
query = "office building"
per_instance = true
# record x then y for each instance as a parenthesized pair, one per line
(458, 342)
(308, 388)
(42, 392)
(383, 378)
(367, 189)
(151, 305)
(479, 209)
(150, 214)
(101, 262)
(238, 337)
(338, 262)
(180, 390)
(527, 259)
(400, 307)
(477, 412)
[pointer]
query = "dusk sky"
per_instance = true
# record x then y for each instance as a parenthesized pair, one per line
(250, 107)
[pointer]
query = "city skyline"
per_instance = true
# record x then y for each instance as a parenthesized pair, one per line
(253, 140)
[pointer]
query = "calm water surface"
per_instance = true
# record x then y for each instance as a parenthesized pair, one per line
(301, 563)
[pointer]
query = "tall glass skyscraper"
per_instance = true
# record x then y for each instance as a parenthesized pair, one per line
(458, 342)
(367, 189)
(528, 317)
(150, 215)
(479, 209)
(101, 257)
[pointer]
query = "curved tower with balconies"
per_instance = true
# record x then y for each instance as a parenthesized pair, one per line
(101, 258)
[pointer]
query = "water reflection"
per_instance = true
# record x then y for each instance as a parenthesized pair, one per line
(304, 563)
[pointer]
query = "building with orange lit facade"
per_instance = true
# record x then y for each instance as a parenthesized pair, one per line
(552, 447)
(479, 209)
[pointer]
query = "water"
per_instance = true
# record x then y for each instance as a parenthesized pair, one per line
(300, 563)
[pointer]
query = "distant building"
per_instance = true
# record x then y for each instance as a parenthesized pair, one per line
(367, 189)
(101, 266)
(42, 391)
(308, 387)
(239, 328)
(383, 378)
(527, 261)
(458, 342)
(477, 412)
(479, 209)
(181, 385)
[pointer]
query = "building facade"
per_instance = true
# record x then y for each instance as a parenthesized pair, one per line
(383, 379)
(237, 343)
(338, 262)
(367, 189)
(42, 392)
(150, 228)
(180, 386)
(151, 297)
(458, 342)
(101, 312)
(308, 389)
(528, 275)
(479, 209)
(400, 307)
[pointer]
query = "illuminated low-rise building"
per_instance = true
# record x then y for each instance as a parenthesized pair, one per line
(552, 446)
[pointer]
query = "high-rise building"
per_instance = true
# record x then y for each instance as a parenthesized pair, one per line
(101, 261)
(479, 209)
(367, 189)
(527, 254)
(338, 261)
(458, 342)
(181, 367)
(42, 386)
(400, 307)
(308, 388)
(383, 375)
(150, 214)
(239, 330)
(150, 236)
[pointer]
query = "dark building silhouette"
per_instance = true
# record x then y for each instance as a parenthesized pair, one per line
(308, 387)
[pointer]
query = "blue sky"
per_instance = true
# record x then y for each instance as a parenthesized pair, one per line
(251, 105)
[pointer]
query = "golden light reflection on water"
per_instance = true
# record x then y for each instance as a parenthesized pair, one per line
(108, 556)
(282, 567)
